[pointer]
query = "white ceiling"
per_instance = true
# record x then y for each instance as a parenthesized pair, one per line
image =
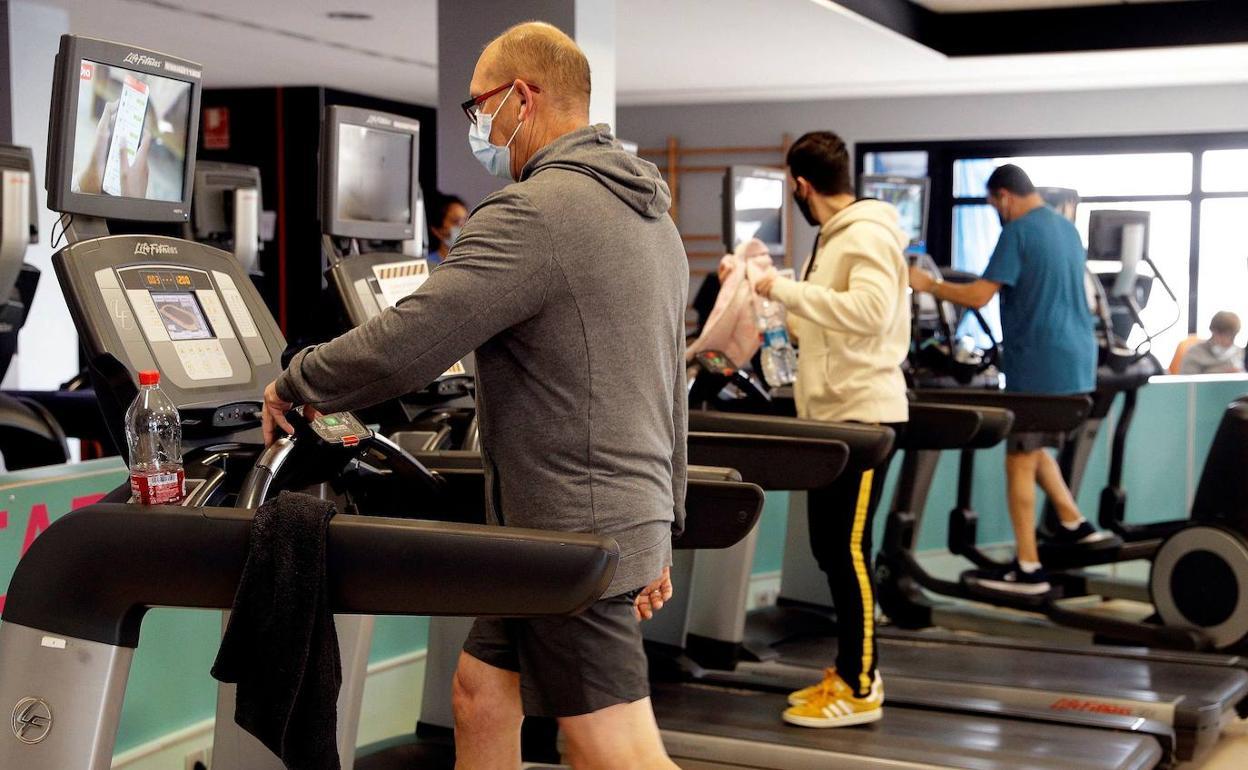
(974, 6)
(801, 49)
(669, 51)
(288, 42)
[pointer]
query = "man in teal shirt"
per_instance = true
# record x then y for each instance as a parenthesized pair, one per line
(1049, 348)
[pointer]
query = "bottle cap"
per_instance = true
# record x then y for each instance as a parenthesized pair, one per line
(149, 378)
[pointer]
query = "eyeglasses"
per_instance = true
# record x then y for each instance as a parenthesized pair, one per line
(473, 106)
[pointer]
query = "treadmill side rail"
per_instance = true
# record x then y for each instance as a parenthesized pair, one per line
(63, 695)
(562, 572)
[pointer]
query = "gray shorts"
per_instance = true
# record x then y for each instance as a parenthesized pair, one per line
(570, 665)
(1023, 443)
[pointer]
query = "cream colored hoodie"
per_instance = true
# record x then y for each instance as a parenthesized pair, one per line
(851, 316)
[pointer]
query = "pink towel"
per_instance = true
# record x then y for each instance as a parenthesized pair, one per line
(732, 327)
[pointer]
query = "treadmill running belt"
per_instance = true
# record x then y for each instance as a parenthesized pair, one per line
(709, 726)
(1165, 684)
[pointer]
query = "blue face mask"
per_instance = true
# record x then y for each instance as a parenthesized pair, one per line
(497, 160)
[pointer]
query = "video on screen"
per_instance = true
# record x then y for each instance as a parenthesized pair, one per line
(374, 175)
(907, 198)
(130, 133)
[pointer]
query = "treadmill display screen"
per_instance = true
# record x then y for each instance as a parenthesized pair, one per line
(374, 175)
(182, 316)
(130, 133)
(758, 209)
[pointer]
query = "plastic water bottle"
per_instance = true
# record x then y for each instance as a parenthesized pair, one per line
(154, 435)
(779, 358)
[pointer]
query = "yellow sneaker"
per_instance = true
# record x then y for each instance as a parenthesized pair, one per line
(832, 703)
(806, 693)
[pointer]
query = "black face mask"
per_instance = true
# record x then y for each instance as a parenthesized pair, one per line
(803, 206)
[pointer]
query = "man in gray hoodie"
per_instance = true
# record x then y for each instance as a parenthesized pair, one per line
(571, 287)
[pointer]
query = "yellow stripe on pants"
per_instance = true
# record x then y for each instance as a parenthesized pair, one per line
(864, 580)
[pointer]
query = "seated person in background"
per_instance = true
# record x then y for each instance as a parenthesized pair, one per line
(1038, 267)
(1181, 350)
(447, 214)
(1219, 354)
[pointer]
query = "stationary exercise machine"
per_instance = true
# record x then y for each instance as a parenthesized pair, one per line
(226, 204)
(30, 436)
(1211, 619)
(65, 654)
(189, 311)
(1181, 701)
(371, 205)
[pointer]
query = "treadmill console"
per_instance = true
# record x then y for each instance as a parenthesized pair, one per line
(718, 380)
(716, 362)
(183, 308)
(341, 429)
(369, 283)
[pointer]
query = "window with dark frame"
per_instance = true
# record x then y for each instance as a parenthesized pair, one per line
(1195, 186)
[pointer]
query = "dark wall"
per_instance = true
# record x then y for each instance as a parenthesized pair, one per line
(278, 130)
(6, 77)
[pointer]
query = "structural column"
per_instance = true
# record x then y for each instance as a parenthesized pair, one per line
(465, 27)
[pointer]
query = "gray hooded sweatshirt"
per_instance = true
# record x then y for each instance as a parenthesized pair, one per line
(571, 287)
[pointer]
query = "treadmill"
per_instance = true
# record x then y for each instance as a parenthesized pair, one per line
(1192, 695)
(225, 212)
(708, 721)
(65, 654)
(189, 311)
(371, 208)
(1182, 700)
(30, 437)
(716, 708)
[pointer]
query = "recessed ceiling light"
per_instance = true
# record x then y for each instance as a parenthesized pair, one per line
(349, 16)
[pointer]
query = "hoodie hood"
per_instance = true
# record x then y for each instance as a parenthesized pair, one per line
(594, 152)
(866, 210)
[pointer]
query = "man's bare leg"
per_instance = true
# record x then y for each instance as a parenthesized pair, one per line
(488, 715)
(1020, 477)
(1049, 476)
(618, 737)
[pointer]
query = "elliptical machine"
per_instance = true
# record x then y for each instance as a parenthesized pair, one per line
(1210, 549)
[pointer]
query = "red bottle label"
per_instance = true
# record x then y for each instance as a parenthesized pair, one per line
(163, 488)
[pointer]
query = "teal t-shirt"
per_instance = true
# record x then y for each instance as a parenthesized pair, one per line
(1048, 346)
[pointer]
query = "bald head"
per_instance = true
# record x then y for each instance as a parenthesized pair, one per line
(539, 53)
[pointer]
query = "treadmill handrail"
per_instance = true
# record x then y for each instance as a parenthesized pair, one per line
(868, 444)
(95, 572)
(789, 463)
(1033, 413)
(719, 514)
(443, 461)
(940, 426)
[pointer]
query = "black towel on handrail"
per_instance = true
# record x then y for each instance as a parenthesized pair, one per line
(280, 647)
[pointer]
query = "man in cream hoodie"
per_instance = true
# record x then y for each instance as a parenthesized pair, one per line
(850, 313)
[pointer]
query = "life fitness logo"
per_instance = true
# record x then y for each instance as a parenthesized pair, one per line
(86, 71)
(32, 720)
(154, 249)
(1090, 706)
(138, 58)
